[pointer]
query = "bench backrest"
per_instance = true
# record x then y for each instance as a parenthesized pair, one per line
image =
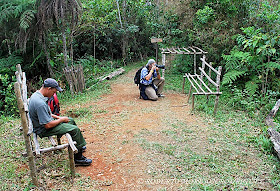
(208, 66)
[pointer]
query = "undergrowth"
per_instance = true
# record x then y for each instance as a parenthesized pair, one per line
(239, 113)
(235, 129)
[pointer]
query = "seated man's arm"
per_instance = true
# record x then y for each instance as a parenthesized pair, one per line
(56, 122)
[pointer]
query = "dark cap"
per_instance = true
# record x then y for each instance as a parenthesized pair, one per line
(52, 83)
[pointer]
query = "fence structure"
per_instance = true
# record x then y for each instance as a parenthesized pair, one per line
(191, 50)
(203, 83)
(75, 78)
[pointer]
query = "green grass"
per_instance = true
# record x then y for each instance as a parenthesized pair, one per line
(233, 135)
(231, 131)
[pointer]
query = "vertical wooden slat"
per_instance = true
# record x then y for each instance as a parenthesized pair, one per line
(218, 80)
(163, 63)
(72, 162)
(194, 62)
(192, 102)
(82, 77)
(25, 132)
(184, 81)
(189, 95)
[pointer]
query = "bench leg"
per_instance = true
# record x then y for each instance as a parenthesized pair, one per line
(189, 94)
(192, 102)
(183, 90)
(59, 140)
(216, 104)
(72, 163)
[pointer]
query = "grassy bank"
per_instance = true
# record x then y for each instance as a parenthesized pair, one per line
(227, 141)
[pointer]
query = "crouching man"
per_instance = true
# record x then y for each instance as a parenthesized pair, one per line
(151, 84)
(47, 124)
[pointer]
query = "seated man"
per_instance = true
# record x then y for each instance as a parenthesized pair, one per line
(151, 88)
(47, 124)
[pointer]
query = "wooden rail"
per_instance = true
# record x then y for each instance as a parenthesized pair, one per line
(203, 84)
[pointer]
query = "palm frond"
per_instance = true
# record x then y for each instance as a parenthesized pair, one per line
(273, 65)
(9, 10)
(232, 75)
(26, 19)
(251, 86)
(236, 59)
(8, 65)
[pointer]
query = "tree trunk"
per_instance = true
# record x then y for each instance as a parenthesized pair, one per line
(94, 44)
(119, 13)
(64, 47)
(125, 38)
(71, 52)
(47, 58)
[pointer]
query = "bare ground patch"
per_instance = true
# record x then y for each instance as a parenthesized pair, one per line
(145, 145)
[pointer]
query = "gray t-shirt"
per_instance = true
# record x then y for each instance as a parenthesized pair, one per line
(39, 112)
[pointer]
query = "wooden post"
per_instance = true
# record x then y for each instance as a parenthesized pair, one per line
(194, 63)
(216, 104)
(218, 89)
(209, 73)
(189, 95)
(203, 68)
(24, 124)
(72, 163)
(192, 102)
(184, 81)
(163, 63)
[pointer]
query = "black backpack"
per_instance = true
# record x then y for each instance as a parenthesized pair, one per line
(138, 76)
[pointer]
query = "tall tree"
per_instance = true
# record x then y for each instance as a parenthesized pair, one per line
(64, 13)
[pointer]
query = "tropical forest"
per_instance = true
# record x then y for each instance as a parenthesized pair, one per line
(214, 126)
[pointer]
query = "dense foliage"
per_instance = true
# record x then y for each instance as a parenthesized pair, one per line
(45, 36)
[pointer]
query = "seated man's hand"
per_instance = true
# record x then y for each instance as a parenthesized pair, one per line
(64, 119)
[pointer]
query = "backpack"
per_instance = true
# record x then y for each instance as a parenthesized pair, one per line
(138, 76)
(54, 105)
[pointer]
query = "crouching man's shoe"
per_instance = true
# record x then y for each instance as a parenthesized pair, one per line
(81, 160)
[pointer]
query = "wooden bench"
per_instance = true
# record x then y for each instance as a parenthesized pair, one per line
(203, 82)
(31, 141)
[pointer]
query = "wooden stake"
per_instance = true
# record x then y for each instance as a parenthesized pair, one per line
(184, 81)
(189, 95)
(192, 102)
(24, 124)
(216, 104)
(72, 162)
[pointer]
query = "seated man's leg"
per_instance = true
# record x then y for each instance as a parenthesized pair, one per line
(71, 121)
(151, 93)
(73, 130)
(76, 135)
(160, 84)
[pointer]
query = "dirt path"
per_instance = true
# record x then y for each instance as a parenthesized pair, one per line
(121, 123)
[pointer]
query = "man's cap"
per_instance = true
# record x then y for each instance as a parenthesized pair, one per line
(49, 82)
(151, 61)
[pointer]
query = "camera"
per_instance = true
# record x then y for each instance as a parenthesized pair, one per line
(160, 66)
